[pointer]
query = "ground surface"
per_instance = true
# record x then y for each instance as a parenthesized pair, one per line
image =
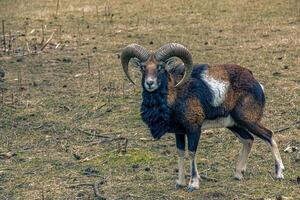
(64, 124)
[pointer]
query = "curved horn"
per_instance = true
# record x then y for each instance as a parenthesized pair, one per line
(133, 51)
(177, 50)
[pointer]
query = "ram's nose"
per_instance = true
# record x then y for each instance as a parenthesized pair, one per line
(150, 83)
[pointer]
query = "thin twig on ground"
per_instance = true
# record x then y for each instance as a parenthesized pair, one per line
(288, 127)
(95, 186)
(113, 139)
(208, 178)
(92, 133)
(3, 32)
(47, 42)
(7, 155)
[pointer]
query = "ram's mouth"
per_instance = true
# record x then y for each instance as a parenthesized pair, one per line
(151, 88)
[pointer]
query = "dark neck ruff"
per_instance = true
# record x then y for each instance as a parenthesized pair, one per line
(155, 111)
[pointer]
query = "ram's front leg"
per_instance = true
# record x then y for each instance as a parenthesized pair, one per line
(180, 143)
(193, 140)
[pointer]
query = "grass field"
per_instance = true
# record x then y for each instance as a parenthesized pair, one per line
(69, 118)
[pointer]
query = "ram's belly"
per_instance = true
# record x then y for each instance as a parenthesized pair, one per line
(221, 122)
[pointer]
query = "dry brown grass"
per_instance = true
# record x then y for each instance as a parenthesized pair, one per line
(54, 121)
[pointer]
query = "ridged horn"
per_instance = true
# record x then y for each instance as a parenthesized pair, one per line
(180, 51)
(133, 51)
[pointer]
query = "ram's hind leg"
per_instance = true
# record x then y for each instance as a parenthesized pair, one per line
(247, 114)
(247, 140)
(267, 135)
(180, 143)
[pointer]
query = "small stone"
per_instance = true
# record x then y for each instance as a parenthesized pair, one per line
(276, 73)
(67, 60)
(20, 59)
(77, 157)
(278, 196)
(22, 88)
(290, 149)
(90, 172)
(135, 166)
(7, 155)
(147, 169)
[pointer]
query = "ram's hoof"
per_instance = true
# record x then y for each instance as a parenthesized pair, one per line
(191, 188)
(279, 176)
(179, 186)
(238, 176)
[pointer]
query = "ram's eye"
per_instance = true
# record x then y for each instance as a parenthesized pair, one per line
(143, 67)
(160, 67)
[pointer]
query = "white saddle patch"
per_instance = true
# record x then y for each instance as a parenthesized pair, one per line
(221, 122)
(218, 88)
(262, 87)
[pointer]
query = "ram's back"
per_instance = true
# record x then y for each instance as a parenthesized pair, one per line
(222, 80)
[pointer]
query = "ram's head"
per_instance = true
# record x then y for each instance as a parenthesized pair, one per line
(154, 65)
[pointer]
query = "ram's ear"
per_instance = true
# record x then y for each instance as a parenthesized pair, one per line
(135, 62)
(170, 63)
